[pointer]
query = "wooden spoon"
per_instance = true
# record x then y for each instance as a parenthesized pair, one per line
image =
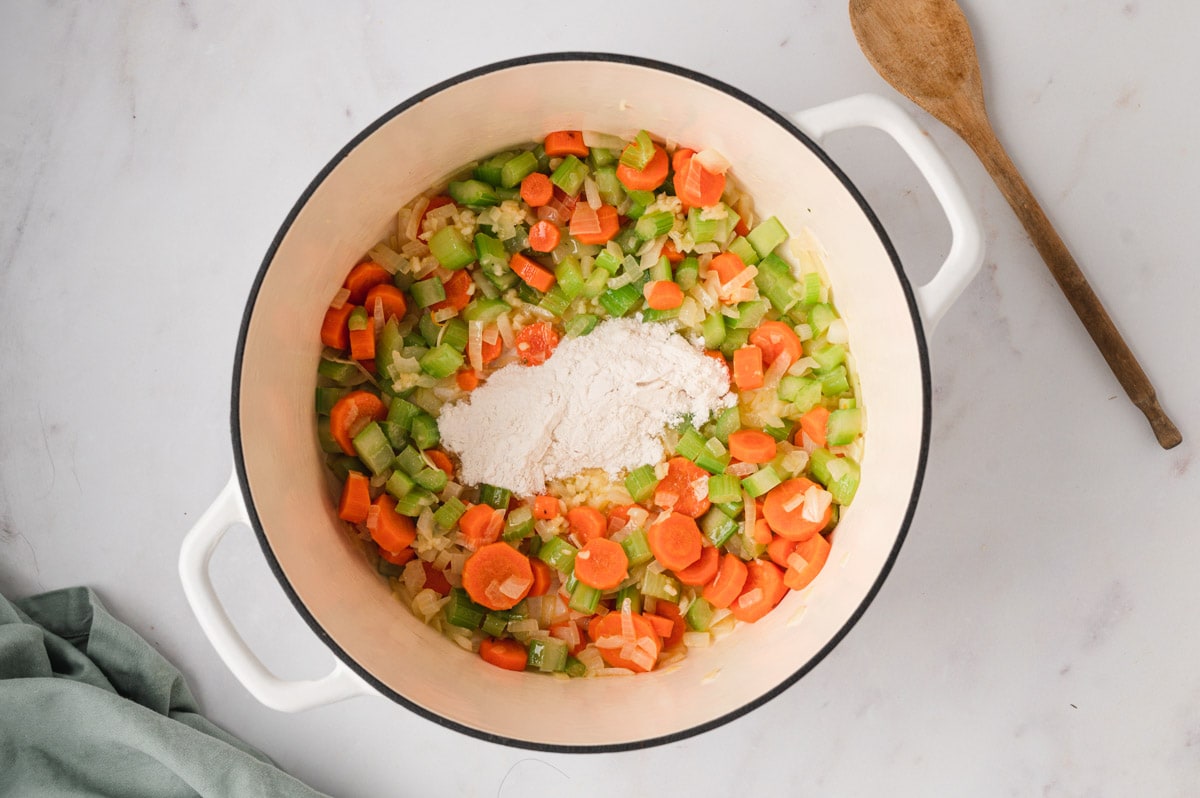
(925, 50)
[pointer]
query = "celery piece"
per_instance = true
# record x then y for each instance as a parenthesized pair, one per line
(494, 496)
(451, 249)
(809, 289)
(730, 509)
(847, 403)
(504, 280)
(637, 548)
(358, 319)
(690, 445)
(373, 448)
(325, 437)
(713, 329)
(399, 484)
(491, 254)
(448, 514)
(455, 334)
(494, 623)
(414, 502)
(432, 479)
(402, 280)
(558, 554)
(808, 396)
(638, 202)
(631, 594)
(820, 316)
(547, 654)
(569, 175)
(660, 585)
(728, 422)
(342, 464)
(699, 615)
(327, 397)
(461, 611)
(396, 435)
(473, 193)
(543, 159)
(428, 292)
(424, 431)
(650, 314)
(584, 598)
(775, 282)
(389, 341)
(516, 169)
(751, 314)
(661, 270)
(702, 230)
(596, 283)
(768, 234)
(735, 339)
(569, 277)
(619, 301)
(518, 525)
(528, 293)
(640, 482)
(344, 374)
(581, 324)
(410, 461)
(385, 568)
(653, 225)
(781, 433)
(761, 481)
(555, 301)
(608, 262)
(829, 357)
(790, 387)
(489, 171)
(429, 329)
(628, 240)
(686, 273)
(485, 310)
(844, 483)
(519, 242)
(441, 361)
(843, 426)
(834, 382)
(611, 190)
(713, 464)
(742, 248)
(602, 156)
(638, 152)
(575, 668)
(724, 488)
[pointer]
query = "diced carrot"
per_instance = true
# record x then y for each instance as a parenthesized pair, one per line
(362, 343)
(334, 332)
(536, 189)
(467, 379)
(680, 157)
(748, 368)
(741, 228)
(752, 446)
(490, 569)
(662, 626)
(779, 549)
(663, 294)
(609, 628)
(671, 252)
(586, 231)
(565, 627)
(675, 541)
(618, 517)
(544, 236)
(435, 579)
(351, 413)
(791, 523)
(398, 557)
(727, 584)
(507, 654)
(727, 265)
(766, 578)
(565, 142)
(441, 460)
(355, 503)
(479, 526)
(812, 424)
(587, 523)
(392, 298)
(702, 571)
(649, 178)
(601, 564)
(490, 352)
(393, 531)
(459, 286)
(815, 553)
(529, 271)
(678, 489)
(762, 531)
(775, 338)
(670, 610)
(545, 507)
(536, 342)
(696, 186)
(541, 577)
(362, 278)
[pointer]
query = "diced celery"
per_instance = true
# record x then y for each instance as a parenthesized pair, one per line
(639, 152)
(485, 310)
(494, 623)
(596, 283)
(631, 594)
(640, 482)
(432, 479)
(844, 485)
(734, 340)
(346, 374)
(569, 277)
(713, 329)
(490, 253)
(686, 273)
(528, 293)
(441, 361)
(829, 357)
(690, 445)
(661, 270)
(780, 433)
(751, 314)
(650, 314)
(820, 316)
(558, 554)
(494, 496)
(358, 319)
(809, 289)
(581, 324)
(410, 461)
(730, 509)
(396, 435)
(451, 249)
(325, 437)
(327, 397)
(575, 668)
(519, 242)
(834, 382)
(602, 156)
(699, 615)
(448, 514)
(424, 431)
(808, 396)
(555, 301)
(515, 170)
(518, 525)
(653, 225)
(474, 193)
(611, 190)
(638, 202)
(628, 240)
(724, 488)
(547, 654)
(728, 422)
(789, 387)
(414, 502)
(742, 248)
(768, 234)
(584, 598)
(713, 464)
(399, 484)
(619, 301)
(608, 262)
(461, 611)
(843, 426)
(761, 481)
(342, 464)
(660, 585)
(569, 175)
(455, 334)
(775, 282)
(489, 171)
(702, 230)
(717, 526)
(428, 292)
(637, 548)
(373, 448)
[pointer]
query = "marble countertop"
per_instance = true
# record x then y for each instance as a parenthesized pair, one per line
(1036, 634)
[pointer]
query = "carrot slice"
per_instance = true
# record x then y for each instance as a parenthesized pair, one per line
(680, 157)
(529, 271)
(393, 531)
(587, 523)
(813, 424)
(565, 142)
(815, 553)
(585, 232)
(497, 576)
(696, 186)
(763, 590)
(479, 526)
(675, 541)
(762, 531)
(541, 577)
(491, 351)
(466, 379)
(752, 446)
(748, 368)
(670, 610)
(355, 503)
(507, 654)
(671, 252)
(334, 332)
(727, 584)
(536, 189)
(362, 343)
(398, 557)
(678, 489)
(601, 564)
(702, 571)
(536, 342)
(607, 630)
(775, 338)
(362, 278)
(662, 626)
(663, 294)
(784, 511)
(649, 178)
(779, 549)
(545, 507)
(727, 265)
(440, 460)
(351, 413)
(544, 236)
(392, 298)
(459, 287)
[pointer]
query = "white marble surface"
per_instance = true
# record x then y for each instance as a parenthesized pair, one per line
(1037, 633)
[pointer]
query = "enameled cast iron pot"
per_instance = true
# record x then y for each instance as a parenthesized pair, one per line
(280, 490)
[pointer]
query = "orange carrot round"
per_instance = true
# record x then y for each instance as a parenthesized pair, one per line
(762, 531)
(752, 446)
(678, 489)
(608, 630)
(497, 576)
(681, 156)
(479, 527)
(334, 332)
(507, 654)
(440, 460)
(727, 584)
(813, 424)
(775, 338)
(606, 215)
(397, 557)
(702, 570)
(748, 368)
(675, 541)
(459, 287)
(696, 186)
(565, 142)
(763, 590)
(536, 189)
(727, 265)
(466, 379)
(791, 523)
(663, 294)
(351, 413)
(587, 523)
(392, 298)
(779, 549)
(363, 277)
(649, 178)
(393, 532)
(601, 564)
(536, 342)
(815, 553)
(541, 577)
(670, 611)
(355, 502)
(544, 236)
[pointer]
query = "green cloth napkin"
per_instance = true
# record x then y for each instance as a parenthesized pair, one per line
(87, 707)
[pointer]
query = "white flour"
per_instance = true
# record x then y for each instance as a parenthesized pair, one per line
(600, 401)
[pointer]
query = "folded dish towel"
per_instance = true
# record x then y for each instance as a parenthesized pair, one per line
(87, 707)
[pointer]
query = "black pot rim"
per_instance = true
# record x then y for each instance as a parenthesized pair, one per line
(235, 423)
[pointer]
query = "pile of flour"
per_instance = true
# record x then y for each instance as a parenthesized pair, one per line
(600, 401)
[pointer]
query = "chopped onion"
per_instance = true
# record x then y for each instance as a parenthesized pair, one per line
(816, 502)
(801, 366)
(750, 597)
(373, 517)
(697, 639)
(607, 141)
(741, 469)
(568, 633)
(585, 220)
(775, 371)
(523, 626)
(699, 488)
(425, 525)
(794, 502)
(377, 314)
(610, 641)
(712, 161)
(411, 230)
(339, 299)
(797, 562)
(514, 587)
(804, 332)
(613, 672)
(444, 315)
(837, 332)
(504, 325)
(795, 461)
(642, 659)
(413, 576)
(837, 469)
(744, 277)
(592, 192)
(475, 344)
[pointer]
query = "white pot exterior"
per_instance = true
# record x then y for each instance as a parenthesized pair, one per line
(353, 204)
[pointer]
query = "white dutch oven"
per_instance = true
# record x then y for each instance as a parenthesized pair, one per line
(280, 490)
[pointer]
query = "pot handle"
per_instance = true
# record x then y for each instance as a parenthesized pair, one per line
(966, 246)
(199, 544)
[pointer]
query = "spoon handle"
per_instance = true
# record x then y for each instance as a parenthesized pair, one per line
(1073, 283)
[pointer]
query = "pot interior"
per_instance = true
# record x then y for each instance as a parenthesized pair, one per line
(353, 205)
